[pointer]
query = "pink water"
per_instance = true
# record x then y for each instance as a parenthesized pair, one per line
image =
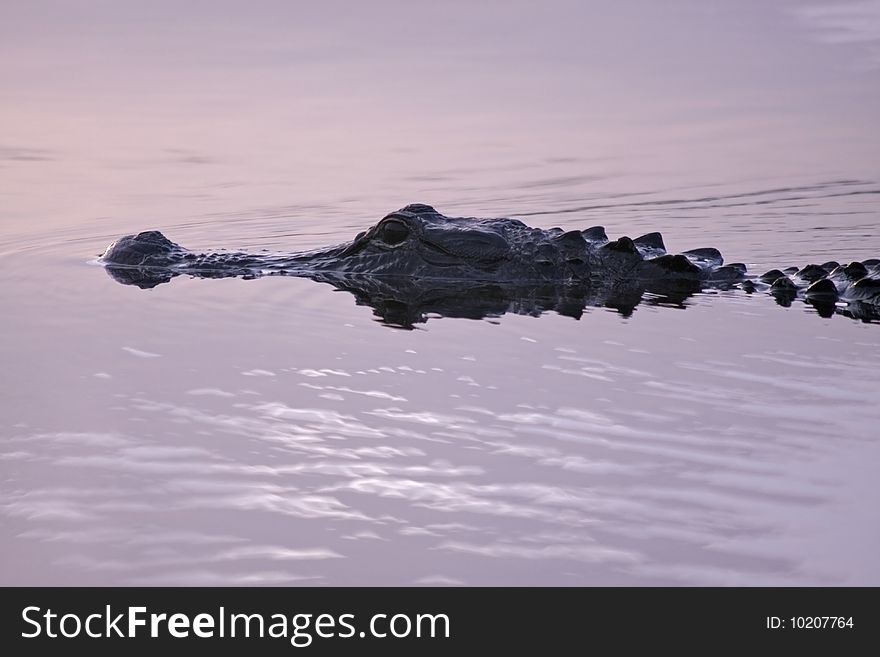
(273, 432)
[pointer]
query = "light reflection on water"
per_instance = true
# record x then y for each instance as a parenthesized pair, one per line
(714, 472)
(273, 432)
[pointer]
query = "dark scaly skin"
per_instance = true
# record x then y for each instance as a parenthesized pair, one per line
(417, 261)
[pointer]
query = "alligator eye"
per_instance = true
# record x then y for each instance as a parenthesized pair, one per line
(393, 232)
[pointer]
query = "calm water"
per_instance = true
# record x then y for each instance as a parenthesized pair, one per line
(274, 432)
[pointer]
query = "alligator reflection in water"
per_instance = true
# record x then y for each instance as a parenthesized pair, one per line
(404, 302)
(416, 263)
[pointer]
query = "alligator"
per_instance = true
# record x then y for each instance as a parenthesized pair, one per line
(416, 263)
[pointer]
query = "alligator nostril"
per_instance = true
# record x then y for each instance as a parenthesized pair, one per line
(543, 262)
(575, 261)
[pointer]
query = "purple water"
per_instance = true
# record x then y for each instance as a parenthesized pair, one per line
(273, 432)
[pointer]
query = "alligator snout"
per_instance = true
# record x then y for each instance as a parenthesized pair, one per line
(135, 250)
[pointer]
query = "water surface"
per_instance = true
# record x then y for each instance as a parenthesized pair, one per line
(274, 432)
